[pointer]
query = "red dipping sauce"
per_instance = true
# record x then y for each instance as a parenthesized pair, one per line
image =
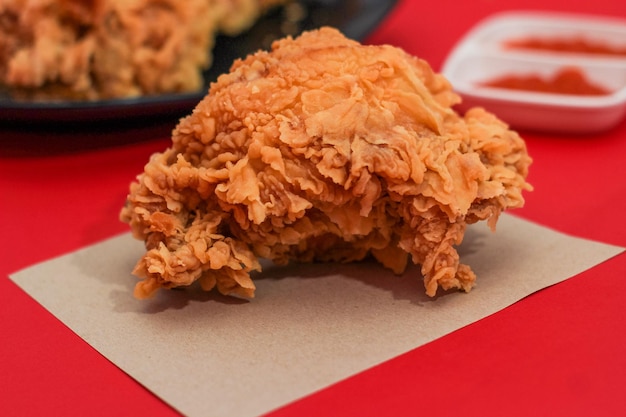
(569, 80)
(570, 45)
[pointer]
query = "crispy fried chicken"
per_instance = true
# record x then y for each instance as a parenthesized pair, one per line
(103, 49)
(323, 149)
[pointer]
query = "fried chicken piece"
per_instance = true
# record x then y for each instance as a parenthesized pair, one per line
(46, 44)
(148, 47)
(322, 150)
(102, 49)
(235, 16)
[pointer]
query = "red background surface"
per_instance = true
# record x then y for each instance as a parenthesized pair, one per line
(560, 351)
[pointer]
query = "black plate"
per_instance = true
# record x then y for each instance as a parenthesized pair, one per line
(355, 18)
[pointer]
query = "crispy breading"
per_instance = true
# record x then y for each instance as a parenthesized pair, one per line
(102, 49)
(44, 42)
(322, 149)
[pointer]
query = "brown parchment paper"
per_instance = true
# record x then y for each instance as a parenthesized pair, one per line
(309, 326)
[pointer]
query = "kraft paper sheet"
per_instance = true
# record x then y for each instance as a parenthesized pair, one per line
(309, 325)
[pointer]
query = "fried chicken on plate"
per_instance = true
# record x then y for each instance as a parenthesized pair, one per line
(322, 149)
(104, 49)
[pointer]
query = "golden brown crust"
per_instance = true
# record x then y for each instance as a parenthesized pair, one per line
(323, 149)
(101, 49)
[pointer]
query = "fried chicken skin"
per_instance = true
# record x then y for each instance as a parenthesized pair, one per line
(322, 149)
(106, 49)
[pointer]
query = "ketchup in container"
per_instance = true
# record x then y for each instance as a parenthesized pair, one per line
(570, 45)
(568, 80)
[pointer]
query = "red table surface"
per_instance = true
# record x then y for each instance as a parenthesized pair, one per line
(561, 351)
